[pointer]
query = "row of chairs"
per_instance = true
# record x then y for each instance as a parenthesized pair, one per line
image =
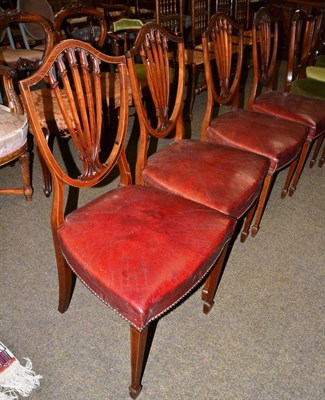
(142, 248)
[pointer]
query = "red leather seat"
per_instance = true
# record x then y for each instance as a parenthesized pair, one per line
(142, 250)
(279, 140)
(220, 177)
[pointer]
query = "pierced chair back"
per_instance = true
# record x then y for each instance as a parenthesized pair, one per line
(265, 34)
(155, 45)
(72, 73)
(82, 23)
(302, 37)
(218, 38)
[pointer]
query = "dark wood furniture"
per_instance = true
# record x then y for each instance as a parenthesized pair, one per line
(283, 10)
(279, 140)
(138, 249)
(194, 169)
(304, 110)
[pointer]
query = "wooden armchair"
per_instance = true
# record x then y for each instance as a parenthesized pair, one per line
(19, 58)
(138, 249)
(197, 170)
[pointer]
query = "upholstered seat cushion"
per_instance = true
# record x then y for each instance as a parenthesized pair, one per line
(314, 72)
(13, 131)
(141, 250)
(301, 109)
(223, 178)
(278, 139)
(11, 56)
(320, 60)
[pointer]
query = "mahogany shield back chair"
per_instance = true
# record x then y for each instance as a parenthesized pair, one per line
(197, 170)
(13, 147)
(89, 25)
(305, 110)
(279, 140)
(140, 250)
(301, 38)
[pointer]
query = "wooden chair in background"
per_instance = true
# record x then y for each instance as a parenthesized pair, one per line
(83, 23)
(140, 250)
(170, 15)
(19, 60)
(13, 147)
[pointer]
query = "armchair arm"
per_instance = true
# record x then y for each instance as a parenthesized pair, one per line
(13, 101)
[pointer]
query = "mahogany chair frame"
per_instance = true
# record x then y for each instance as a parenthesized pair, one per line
(301, 39)
(128, 208)
(169, 168)
(304, 110)
(60, 20)
(245, 129)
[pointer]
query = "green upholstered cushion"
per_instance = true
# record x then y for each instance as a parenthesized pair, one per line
(320, 61)
(315, 72)
(126, 24)
(309, 87)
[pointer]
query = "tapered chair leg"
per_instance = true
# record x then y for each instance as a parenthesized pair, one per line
(316, 150)
(212, 282)
(67, 280)
(300, 166)
(25, 169)
(248, 220)
(47, 180)
(138, 347)
(322, 159)
(289, 178)
(261, 203)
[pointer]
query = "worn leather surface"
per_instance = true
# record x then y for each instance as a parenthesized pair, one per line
(223, 178)
(140, 250)
(278, 139)
(302, 109)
